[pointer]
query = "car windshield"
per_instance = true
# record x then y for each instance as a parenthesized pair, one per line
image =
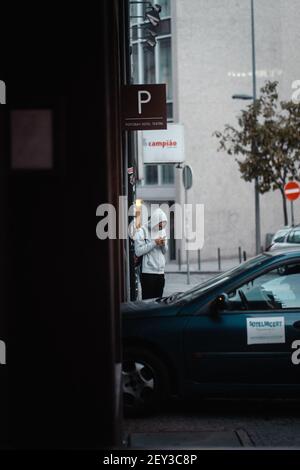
(219, 279)
(280, 236)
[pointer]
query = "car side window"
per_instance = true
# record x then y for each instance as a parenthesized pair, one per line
(278, 289)
(294, 237)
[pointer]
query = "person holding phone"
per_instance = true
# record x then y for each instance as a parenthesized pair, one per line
(151, 243)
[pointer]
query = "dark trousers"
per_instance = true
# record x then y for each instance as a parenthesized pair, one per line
(152, 285)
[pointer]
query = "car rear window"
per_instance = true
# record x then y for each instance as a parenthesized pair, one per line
(280, 236)
(279, 239)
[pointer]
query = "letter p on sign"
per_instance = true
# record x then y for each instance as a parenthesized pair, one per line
(2, 92)
(141, 101)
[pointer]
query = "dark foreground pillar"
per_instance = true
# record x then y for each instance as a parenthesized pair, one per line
(60, 152)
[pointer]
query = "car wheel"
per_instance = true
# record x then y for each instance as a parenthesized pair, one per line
(145, 382)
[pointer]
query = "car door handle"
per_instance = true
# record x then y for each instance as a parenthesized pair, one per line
(297, 325)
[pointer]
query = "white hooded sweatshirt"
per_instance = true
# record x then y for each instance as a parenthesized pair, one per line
(144, 244)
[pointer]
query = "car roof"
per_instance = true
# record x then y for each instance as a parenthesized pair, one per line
(286, 228)
(283, 230)
(291, 251)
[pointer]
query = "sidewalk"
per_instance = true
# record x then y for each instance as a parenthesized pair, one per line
(190, 440)
(176, 281)
(210, 266)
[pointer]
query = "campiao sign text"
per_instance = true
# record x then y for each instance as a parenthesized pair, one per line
(164, 146)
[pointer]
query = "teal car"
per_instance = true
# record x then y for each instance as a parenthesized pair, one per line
(238, 333)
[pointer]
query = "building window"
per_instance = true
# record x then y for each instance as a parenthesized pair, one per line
(149, 67)
(167, 174)
(151, 174)
(135, 68)
(140, 9)
(165, 8)
(165, 66)
(155, 65)
(159, 175)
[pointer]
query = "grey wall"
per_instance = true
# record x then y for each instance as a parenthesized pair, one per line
(212, 40)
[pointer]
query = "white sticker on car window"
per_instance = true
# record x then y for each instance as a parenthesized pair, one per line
(265, 330)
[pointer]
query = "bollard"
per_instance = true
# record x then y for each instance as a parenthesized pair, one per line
(188, 277)
(179, 259)
(199, 261)
(219, 259)
(240, 254)
(245, 255)
(262, 249)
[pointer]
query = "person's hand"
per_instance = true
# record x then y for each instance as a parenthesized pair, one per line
(160, 241)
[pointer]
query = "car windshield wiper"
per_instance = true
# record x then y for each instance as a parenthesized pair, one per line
(160, 299)
(171, 297)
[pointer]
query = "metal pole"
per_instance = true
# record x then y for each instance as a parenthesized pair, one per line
(199, 261)
(257, 201)
(179, 259)
(257, 217)
(188, 267)
(129, 161)
(240, 254)
(187, 251)
(253, 50)
(219, 259)
(140, 45)
(292, 213)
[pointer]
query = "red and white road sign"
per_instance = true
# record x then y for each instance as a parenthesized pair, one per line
(292, 190)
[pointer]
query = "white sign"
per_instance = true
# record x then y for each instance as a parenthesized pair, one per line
(265, 330)
(164, 146)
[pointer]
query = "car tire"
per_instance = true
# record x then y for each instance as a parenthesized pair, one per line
(145, 382)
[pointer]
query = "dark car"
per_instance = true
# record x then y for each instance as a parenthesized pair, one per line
(234, 334)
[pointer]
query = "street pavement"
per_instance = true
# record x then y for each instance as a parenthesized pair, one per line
(176, 280)
(264, 423)
(207, 266)
(176, 277)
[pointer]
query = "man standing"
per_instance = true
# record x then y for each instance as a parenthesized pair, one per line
(151, 243)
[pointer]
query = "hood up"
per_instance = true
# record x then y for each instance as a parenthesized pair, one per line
(157, 217)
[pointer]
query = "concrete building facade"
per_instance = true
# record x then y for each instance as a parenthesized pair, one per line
(211, 61)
